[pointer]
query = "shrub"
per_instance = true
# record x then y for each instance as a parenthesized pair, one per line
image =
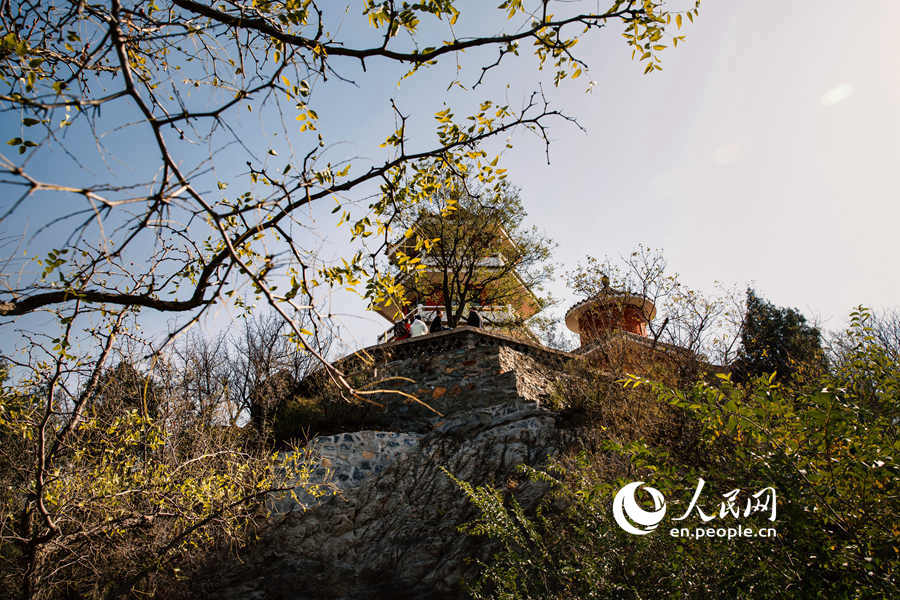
(827, 445)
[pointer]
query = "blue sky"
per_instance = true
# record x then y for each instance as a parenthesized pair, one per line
(765, 152)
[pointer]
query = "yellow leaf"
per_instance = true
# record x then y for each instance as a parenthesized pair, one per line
(678, 20)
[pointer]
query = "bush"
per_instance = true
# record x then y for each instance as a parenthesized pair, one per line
(299, 418)
(118, 503)
(827, 445)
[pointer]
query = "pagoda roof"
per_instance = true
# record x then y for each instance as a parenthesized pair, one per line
(605, 297)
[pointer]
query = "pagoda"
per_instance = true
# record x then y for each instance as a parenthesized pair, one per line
(492, 279)
(610, 311)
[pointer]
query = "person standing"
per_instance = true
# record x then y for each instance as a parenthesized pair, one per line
(436, 323)
(474, 319)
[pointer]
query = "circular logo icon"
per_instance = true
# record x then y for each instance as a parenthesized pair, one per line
(631, 517)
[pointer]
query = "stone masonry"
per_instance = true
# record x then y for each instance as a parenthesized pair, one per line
(451, 371)
(391, 531)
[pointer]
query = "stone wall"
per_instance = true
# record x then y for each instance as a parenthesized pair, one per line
(392, 528)
(451, 371)
(341, 462)
(534, 373)
(394, 535)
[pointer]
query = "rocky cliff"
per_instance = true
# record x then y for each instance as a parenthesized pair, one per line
(392, 530)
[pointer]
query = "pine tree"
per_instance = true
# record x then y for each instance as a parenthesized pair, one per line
(776, 339)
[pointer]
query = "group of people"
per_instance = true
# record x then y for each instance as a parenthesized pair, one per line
(413, 326)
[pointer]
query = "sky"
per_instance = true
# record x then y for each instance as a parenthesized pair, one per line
(763, 153)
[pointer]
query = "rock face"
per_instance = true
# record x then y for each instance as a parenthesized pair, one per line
(392, 532)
